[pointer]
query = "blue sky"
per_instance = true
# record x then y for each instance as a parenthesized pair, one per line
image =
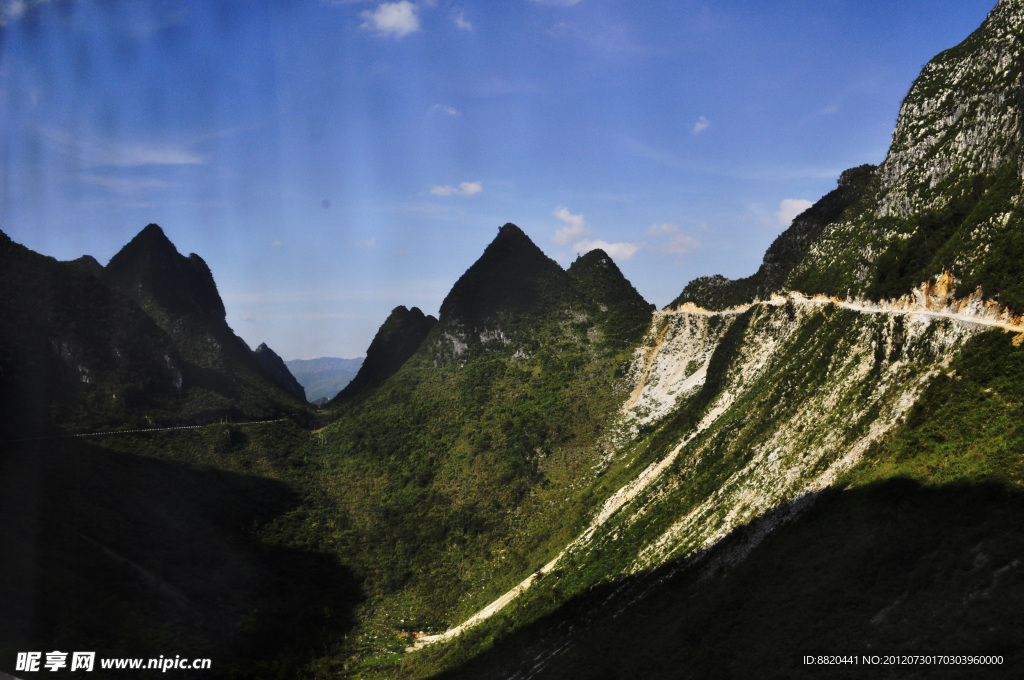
(333, 159)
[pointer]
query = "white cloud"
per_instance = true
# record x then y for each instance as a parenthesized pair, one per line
(276, 244)
(11, 10)
(701, 125)
(392, 19)
(678, 243)
(464, 189)
(558, 3)
(789, 208)
(445, 109)
(617, 251)
(127, 186)
(574, 228)
(681, 244)
(248, 317)
(461, 23)
(117, 153)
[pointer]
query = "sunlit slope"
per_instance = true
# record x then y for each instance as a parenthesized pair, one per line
(948, 196)
(795, 398)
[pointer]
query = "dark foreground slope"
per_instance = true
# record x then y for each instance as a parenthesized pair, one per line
(185, 543)
(890, 569)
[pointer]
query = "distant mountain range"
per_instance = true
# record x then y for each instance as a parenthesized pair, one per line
(323, 377)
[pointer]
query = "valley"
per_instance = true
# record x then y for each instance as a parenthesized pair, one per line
(551, 478)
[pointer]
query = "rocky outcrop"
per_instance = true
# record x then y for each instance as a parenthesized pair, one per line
(961, 117)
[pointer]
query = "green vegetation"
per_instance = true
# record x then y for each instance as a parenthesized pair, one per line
(939, 237)
(854, 195)
(840, 483)
(894, 565)
(891, 568)
(966, 427)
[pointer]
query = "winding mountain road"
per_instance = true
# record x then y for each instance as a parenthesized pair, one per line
(928, 301)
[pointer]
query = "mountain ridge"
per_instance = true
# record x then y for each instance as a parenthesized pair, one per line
(553, 480)
(396, 340)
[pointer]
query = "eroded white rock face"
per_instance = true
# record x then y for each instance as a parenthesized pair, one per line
(873, 377)
(671, 362)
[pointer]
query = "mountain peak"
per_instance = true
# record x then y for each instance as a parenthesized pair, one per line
(623, 313)
(166, 283)
(596, 258)
(396, 340)
(152, 239)
(960, 118)
(153, 231)
(510, 232)
(512, 276)
(276, 368)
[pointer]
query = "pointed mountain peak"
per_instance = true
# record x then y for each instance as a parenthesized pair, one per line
(509, 233)
(511, 239)
(512, 276)
(148, 244)
(151, 239)
(153, 231)
(275, 367)
(397, 339)
(622, 312)
(167, 284)
(595, 259)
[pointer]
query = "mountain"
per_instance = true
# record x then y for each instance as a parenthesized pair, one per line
(944, 199)
(818, 456)
(396, 340)
(180, 295)
(472, 440)
(276, 368)
(554, 480)
(856, 189)
(513, 277)
(140, 342)
(73, 353)
(622, 313)
(323, 377)
(169, 286)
